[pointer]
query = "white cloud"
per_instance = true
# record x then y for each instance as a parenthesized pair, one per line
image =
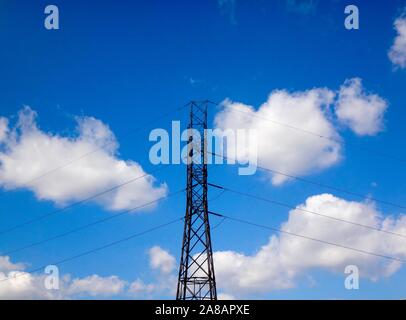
(3, 128)
(297, 131)
(23, 286)
(360, 111)
(225, 296)
(15, 283)
(162, 286)
(97, 286)
(161, 260)
(164, 283)
(139, 288)
(279, 263)
(7, 265)
(28, 152)
(282, 148)
(397, 53)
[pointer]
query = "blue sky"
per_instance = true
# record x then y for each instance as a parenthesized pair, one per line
(129, 62)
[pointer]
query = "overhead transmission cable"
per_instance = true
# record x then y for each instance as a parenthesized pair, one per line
(286, 205)
(85, 226)
(85, 253)
(116, 242)
(77, 203)
(101, 147)
(319, 184)
(309, 238)
(318, 135)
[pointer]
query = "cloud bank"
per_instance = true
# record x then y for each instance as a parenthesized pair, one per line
(281, 262)
(27, 152)
(15, 283)
(290, 141)
(397, 53)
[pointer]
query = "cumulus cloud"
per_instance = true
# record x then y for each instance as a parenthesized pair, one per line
(140, 288)
(281, 262)
(18, 288)
(24, 286)
(3, 128)
(97, 286)
(397, 53)
(15, 283)
(301, 135)
(7, 265)
(27, 152)
(360, 111)
(165, 281)
(279, 147)
(161, 260)
(163, 286)
(225, 296)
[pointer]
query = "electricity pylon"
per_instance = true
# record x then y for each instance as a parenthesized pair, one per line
(196, 271)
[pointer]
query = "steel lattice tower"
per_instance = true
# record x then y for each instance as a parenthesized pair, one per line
(196, 271)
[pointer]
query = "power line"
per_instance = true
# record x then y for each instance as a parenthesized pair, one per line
(92, 197)
(216, 197)
(331, 187)
(334, 188)
(116, 242)
(105, 246)
(218, 224)
(310, 238)
(286, 205)
(318, 135)
(34, 244)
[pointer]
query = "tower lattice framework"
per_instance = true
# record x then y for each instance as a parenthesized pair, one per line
(196, 272)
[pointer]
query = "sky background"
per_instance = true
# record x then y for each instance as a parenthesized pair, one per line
(128, 62)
